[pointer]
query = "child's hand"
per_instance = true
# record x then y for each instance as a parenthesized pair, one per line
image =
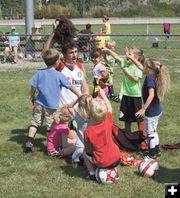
(55, 24)
(102, 93)
(129, 56)
(105, 49)
(140, 113)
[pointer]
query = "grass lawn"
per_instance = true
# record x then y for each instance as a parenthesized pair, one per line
(37, 175)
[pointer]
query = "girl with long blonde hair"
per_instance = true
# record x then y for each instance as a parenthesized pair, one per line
(156, 84)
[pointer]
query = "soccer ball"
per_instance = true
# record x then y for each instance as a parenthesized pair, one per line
(107, 176)
(148, 167)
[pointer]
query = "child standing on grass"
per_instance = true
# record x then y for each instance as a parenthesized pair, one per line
(110, 62)
(156, 83)
(131, 90)
(81, 116)
(100, 150)
(99, 73)
(61, 140)
(48, 82)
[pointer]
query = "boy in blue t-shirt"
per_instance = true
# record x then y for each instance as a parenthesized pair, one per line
(48, 82)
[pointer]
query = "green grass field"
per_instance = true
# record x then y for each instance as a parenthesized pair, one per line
(37, 175)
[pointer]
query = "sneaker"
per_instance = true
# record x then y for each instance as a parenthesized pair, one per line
(152, 153)
(91, 177)
(114, 98)
(29, 147)
(158, 152)
(152, 156)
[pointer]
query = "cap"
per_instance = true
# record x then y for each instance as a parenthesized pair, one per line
(13, 28)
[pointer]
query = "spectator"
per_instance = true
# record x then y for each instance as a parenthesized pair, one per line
(100, 39)
(106, 27)
(85, 42)
(13, 45)
(87, 30)
(166, 28)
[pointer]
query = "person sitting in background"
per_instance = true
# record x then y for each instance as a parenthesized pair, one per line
(13, 45)
(84, 42)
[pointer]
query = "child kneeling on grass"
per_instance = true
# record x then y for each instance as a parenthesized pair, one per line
(61, 140)
(48, 82)
(100, 150)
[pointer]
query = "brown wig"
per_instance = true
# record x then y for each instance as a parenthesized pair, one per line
(65, 31)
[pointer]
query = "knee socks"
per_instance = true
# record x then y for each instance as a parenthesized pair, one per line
(141, 127)
(154, 140)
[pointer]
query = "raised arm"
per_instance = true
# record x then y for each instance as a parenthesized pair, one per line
(133, 59)
(104, 97)
(113, 54)
(48, 43)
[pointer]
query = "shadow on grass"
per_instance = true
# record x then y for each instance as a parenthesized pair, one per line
(72, 171)
(20, 135)
(167, 175)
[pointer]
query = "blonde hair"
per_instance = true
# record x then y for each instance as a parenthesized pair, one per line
(63, 115)
(98, 110)
(138, 53)
(162, 76)
(84, 106)
(110, 43)
(50, 57)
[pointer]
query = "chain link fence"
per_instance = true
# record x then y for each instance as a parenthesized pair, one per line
(163, 47)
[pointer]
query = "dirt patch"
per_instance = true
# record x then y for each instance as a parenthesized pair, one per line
(25, 64)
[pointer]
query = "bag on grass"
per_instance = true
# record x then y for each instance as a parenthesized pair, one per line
(127, 140)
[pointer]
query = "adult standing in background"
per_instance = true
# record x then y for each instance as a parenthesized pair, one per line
(14, 40)
(106, 27)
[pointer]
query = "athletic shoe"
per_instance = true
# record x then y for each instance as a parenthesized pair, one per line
(114, 98)
(29, 147)
(152, 153)
(91, 177)
(158, 152)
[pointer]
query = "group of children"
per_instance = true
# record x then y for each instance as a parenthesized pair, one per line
(83, 128)
(156, 83)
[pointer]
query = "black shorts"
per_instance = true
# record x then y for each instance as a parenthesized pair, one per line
(129, 106)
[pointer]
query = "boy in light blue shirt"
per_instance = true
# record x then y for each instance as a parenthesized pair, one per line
(48, 82)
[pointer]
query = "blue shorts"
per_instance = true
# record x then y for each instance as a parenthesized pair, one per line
(151, 124)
